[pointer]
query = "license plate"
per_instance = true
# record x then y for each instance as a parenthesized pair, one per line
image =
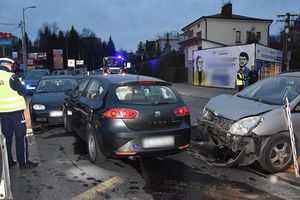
(155, 142)
(56, 114)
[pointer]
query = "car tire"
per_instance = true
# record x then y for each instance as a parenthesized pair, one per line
(277, 155)
(66, 123)
(95, 154)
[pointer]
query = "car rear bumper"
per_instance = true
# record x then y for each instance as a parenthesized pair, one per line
(132, 143)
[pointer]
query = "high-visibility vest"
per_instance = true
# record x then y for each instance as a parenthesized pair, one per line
(10, 100)
(238, 81)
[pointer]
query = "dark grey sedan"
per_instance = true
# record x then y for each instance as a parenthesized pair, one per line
(127, 115)
(252, 125)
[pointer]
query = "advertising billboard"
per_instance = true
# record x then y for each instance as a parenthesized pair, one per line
(58, 59)
(218, 67)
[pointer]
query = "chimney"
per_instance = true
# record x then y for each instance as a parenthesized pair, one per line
(227, 10)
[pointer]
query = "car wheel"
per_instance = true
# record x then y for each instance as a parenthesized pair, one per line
(66, 123)
(95, 154)
(277, 154)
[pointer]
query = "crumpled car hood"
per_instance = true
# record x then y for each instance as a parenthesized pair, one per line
(235, 108)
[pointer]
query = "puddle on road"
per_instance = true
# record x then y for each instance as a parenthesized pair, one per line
(171, 179)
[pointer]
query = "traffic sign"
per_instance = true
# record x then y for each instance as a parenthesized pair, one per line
(5, 35)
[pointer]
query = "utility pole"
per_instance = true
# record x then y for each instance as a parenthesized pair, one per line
(287, 18)
(24, 47)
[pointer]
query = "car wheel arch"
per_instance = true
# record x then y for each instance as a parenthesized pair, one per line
(267, 138)
(266, 143)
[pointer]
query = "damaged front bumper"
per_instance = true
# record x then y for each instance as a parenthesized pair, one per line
(232, 150)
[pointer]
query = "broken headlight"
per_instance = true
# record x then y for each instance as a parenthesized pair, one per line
(207, 114)
(244, 126)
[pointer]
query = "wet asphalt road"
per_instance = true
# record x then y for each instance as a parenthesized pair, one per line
(64, 172)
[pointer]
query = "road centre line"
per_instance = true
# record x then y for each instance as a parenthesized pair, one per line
(101, 188)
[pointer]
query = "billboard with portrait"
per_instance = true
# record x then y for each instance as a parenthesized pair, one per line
(218, 67)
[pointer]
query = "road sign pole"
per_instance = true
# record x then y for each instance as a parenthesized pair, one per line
(292, 137)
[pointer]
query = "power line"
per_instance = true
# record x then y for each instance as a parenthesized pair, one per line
(30, 33)
(8, 24)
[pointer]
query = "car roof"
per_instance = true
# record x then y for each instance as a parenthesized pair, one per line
(290, 73)
(58, 77)
(121, 79)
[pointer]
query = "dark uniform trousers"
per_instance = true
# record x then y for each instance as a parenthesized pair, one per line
(15, 124)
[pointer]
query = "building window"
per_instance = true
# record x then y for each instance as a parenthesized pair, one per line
(238, 36)
(258, 35)
(189, 34)
(199, 34)
(198, 25)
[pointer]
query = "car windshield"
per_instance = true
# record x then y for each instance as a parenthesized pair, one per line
(145, 94)
(56, 85)
(35, 74)
(273, 90)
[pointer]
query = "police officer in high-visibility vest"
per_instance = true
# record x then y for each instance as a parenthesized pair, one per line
(240, 79)
(12, 105)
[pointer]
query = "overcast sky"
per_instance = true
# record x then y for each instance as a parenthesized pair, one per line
(131, 21)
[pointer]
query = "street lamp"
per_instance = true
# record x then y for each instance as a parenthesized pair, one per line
(24, 48)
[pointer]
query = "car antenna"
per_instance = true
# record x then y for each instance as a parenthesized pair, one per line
(140, 70)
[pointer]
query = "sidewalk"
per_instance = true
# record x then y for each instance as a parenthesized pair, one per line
(187, 89)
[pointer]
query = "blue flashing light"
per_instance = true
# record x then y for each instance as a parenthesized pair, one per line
(136, 146)
(119, 56)
(154, 64)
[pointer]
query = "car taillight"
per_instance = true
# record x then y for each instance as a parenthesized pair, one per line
(120, 113)
(182, 111)
(147, 82)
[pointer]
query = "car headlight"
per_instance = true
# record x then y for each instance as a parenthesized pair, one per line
(207, 114)
(38, 107)
(244, 126)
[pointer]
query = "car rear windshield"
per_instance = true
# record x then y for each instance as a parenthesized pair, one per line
(56, 85)
(146, 94)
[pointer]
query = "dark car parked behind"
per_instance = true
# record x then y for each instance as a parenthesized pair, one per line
(32, 77)
(122, 115)
(46, 103)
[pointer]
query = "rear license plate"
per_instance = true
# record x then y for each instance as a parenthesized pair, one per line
(155, 142)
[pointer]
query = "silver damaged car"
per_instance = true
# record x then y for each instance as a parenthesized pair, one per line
(252, 125)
